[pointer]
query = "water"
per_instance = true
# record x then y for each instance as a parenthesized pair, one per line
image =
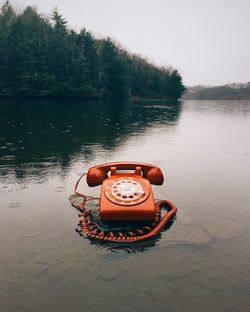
(201, 263)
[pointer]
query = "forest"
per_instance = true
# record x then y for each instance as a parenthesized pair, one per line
(41, 56)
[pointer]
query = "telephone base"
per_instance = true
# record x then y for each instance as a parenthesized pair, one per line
(127, 198)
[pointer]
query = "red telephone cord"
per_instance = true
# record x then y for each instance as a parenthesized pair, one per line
(89, 227)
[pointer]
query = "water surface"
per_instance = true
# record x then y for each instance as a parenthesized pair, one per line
(201, 263)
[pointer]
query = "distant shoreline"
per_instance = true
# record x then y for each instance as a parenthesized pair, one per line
(233, 91)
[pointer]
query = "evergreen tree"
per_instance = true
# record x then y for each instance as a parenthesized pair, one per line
(7, 16)
(60, 24)
(113, 74)
(173, 88)
(88, 48)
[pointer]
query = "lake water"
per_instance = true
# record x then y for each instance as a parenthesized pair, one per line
(201, 263)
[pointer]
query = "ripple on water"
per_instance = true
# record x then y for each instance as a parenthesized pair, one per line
(125, 248)
(6, 189)
(60, 189)
(8, 157)
(14, 205)
(109, 275)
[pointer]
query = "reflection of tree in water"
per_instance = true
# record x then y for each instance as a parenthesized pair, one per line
(51, 133)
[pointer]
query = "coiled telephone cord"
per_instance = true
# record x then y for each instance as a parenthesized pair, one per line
(91, 230)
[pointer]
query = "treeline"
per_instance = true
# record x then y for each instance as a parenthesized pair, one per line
(233, 91)
(41, 56)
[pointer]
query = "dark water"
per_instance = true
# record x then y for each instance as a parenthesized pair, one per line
(202, 263)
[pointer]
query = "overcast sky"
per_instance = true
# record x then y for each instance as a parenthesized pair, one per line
(206, 40)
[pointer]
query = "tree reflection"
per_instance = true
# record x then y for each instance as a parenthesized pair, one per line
(48, 134)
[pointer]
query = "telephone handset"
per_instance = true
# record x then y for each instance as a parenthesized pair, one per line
(126, 196)
(98, 173)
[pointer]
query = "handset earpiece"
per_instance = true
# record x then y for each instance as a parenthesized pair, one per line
(154, 175)
(96, 175)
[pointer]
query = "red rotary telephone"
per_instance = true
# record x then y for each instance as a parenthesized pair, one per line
(125, 196)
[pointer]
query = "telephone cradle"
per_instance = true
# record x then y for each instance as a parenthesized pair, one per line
(126, 196)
